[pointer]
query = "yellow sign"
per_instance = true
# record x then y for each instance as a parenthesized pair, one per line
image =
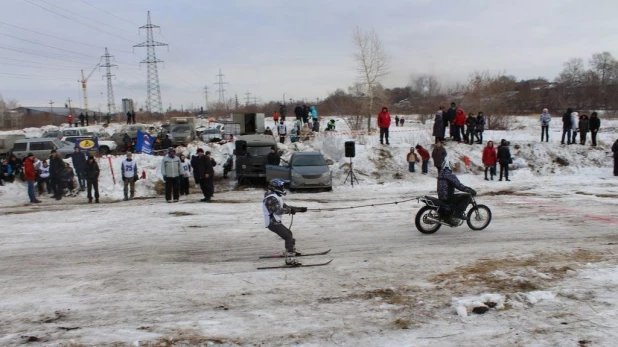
(86, 144)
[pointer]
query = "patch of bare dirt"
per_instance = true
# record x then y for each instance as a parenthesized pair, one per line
(181, 213)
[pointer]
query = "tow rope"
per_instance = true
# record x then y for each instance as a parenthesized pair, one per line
(359, 206)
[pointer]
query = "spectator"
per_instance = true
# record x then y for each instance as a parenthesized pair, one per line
(584, 128)
(5, 172)
(282, 111)
(298, 112)
(91, 171)
(166, 142)
(401, 120)
(566, 126)
(228, 166)
(595, 125)
(129, 117)
(282, 131)
(460, 121)
(412, 159)
(194, 163)
(396, 121)
(30, 177)
(133, 116)
(207, 174)
(504, 158)
(313, 114)
(615, 150)
(574, 126)
(186, 173)
(87, 119)
(490, 158)
(449, 119)
(81, 119)
(438, 154)
(16, 167)
(424, 158)
(43, 180)
(438, 125)
(67, 176)
(128, 170)
(305, 112)
(470, 128)
(330, 126)
(545, 119)
(171, 170)
(56, 165)
(79, 162)
(273, 157)
(70, 120)
(480, 127)
(315, 126)
(384, 122)
(276, 117)
(268, 131)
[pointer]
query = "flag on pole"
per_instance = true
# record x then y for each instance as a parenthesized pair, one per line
(144, 143)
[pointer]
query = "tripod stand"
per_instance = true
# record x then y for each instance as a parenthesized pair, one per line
(351, 175)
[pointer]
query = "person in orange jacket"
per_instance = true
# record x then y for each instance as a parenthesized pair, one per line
(384, 122)
(460, 121)
(276, 117)
(30, 177)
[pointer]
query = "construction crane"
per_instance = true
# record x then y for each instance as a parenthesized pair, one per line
(84, 82)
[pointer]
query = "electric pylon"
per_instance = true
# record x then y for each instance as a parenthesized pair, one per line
(153, 98)
(107, 58)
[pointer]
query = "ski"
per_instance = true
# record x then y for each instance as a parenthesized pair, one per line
(293, 266)
(277, 256)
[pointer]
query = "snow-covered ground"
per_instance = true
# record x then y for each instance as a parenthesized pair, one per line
(147, 273)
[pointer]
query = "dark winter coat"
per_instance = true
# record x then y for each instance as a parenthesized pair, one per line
(480, 123)
(438, 155)
(283, 111)
(273, 159)
(449, 116)
(584, 125)
(204, 166)
(504, 155)
(447, 183)
(438, 126)
(55, 166)
(67, 174)
(566, 119)
(91, 171)
(471, 123)
(595, 123)
(298, 112)
(615, 150)
(79, 161)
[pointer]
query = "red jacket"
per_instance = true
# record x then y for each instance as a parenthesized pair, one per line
(490, 157)
(29, 171)
(70, 119)
(460, 117)
(424, 154)
(384, 118)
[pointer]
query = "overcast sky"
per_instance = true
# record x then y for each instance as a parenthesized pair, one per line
(272, 47)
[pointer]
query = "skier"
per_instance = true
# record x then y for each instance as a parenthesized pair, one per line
(274, 208)
(447, 183)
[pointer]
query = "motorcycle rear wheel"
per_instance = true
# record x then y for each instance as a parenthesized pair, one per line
(479, 218)
(424, 226)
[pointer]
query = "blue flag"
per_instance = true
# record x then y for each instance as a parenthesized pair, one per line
(144, 143)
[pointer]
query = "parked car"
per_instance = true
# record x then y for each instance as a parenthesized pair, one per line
(133, 129)
(305, 170)
(41, 147)
(7, 142)
(52, 134)
(103, 146)
(74, 132)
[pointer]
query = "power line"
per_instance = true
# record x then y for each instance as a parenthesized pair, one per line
(48, 46)
(43, 54)
(11, 75)
(60, 38)
(79, 15)
(41, 67)
(36, 62)
(73, 19)
(111, 14)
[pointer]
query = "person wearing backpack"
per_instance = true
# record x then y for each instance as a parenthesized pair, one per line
(412, 159)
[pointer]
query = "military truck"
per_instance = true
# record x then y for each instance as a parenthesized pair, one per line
(251, 152)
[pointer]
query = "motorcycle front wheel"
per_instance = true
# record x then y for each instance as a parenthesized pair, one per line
(479, 217)
(425, 226)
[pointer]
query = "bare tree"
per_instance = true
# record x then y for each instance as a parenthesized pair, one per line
(372, 63)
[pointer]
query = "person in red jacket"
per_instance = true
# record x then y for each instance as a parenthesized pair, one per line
(490, 158)
(460, 121)
(424, 157)
(384, 122)
(70, 120)
(30, 177)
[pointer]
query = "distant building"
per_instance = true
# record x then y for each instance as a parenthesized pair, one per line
(127, 105)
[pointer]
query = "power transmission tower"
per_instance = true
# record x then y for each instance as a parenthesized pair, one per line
(51, 104)
(254, 101)
(206, 97)
(221, 89)
(111, 105)
(247, 98)
(153, 99)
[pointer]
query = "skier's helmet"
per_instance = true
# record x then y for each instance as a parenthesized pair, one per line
(277, 186)
(446, 164)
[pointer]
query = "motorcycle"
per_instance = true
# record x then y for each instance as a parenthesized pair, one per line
(437, 213)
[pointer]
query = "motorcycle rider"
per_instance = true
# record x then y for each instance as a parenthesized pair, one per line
(274, 208)
(447, 183)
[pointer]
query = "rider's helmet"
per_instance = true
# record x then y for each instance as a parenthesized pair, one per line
(446, 164)
(277, 186)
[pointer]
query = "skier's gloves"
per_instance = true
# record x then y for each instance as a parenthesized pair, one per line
(301, 209)
(472, 192)
(292, 210)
